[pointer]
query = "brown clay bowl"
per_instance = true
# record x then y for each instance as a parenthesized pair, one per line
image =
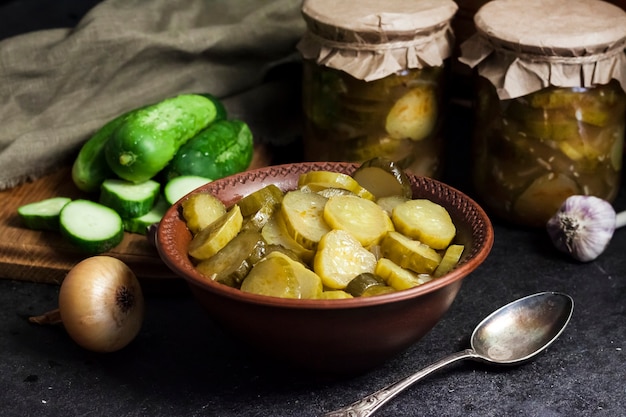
(328, 336)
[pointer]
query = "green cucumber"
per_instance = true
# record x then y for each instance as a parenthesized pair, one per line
(140, 224)
(220, 110)
(178, 187)
(149, 138)
(90, 167)
(127, 198)
(44, 214)
(222, 149)
(92, 227)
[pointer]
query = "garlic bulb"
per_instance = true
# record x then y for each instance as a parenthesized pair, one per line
(583, 226)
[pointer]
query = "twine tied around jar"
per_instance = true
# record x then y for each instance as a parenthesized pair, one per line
(379, 44)
(516, 74)
(521, 63)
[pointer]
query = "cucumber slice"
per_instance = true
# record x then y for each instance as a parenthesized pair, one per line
(362, 218)
(140, 224)
(231, 264)
(383, 178)
(390, 202)
(303, 216)
(425, 221)
(278, 275)
(398, 277)
(259, 219)
(319, 180)
(253, 202)
(450, 259)
(275, 233)
(414, 115)
(215, 236)
(92, 227)
(129, 199)
(339, 258)
(178, 187)
(202, 209)
(359, 284)
(334, 295)
(378, 290)
(44, 214)
(408, 253)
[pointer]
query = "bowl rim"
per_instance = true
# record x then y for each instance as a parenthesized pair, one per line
(195, 279)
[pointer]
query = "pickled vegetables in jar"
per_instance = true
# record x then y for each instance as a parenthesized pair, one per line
(532, 152)
(396, 117)
(373, 81)
(550, 104)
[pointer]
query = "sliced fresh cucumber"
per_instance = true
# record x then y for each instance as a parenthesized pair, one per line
(178, 187)
(44, 214)
(92, 227)
(140, 224)
(129, 199)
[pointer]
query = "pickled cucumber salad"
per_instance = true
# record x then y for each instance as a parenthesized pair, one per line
(332, 237)
(546, 146)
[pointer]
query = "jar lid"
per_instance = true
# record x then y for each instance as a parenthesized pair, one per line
(522, 46)
(372, 39)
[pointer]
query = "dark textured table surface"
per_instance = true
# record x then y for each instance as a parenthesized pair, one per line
(181, 364)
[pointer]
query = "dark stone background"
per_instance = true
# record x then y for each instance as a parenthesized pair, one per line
(181, 364)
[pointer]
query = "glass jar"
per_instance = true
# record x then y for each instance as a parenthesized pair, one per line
(530, 153)
(397, 117)
(376, 90)
(551, 130)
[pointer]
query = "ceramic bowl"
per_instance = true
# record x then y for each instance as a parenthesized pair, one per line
(327, 336)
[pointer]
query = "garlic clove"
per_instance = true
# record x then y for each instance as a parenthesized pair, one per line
(582, 227)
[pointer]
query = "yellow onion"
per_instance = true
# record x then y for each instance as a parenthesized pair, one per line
(101, 304)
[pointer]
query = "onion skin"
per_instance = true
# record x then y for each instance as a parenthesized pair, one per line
(101, 304)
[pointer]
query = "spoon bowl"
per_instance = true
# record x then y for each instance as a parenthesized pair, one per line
(520, 330)
(513, 334)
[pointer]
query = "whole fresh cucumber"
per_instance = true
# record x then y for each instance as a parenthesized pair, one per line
(90, 167)
(149, 138)
(224, 148)
(220, 110)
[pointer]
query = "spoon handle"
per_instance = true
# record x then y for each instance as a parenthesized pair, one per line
(368, 405)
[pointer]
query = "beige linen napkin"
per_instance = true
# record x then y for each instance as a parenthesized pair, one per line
(58, 86)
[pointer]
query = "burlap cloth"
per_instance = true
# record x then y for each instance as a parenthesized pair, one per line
(58, 86)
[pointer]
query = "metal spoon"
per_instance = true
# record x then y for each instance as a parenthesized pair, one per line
(510, 335)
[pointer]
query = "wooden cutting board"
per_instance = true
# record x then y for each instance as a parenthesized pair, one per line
(44, 256)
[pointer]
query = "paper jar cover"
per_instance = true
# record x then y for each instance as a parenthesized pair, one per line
(523, 46)
(371, 39)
